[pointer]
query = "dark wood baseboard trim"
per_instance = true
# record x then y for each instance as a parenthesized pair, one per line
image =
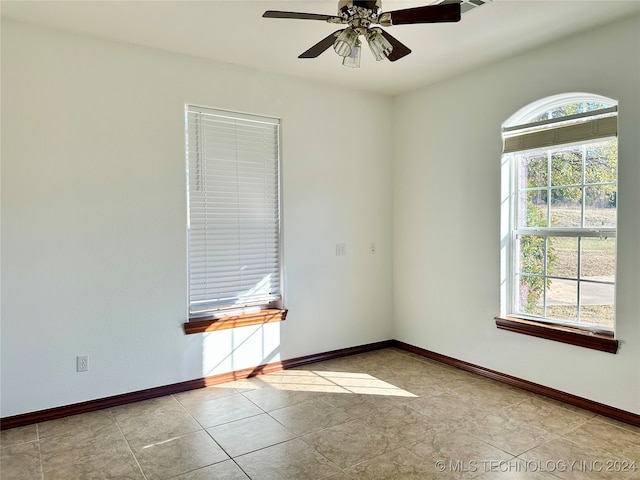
(116, 400)
(590, 405)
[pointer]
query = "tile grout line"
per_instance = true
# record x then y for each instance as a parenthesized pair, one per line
(485, 414)
(232, 458)
(603, 420)
(273, 410)
(202, 427)
(302, 435)
(135, 458)
(296, 436)
(187, 411)
(39, 451)
(581, 445)
(205, 429)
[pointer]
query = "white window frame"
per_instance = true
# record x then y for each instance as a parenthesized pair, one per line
(247, 171)
(519, 125)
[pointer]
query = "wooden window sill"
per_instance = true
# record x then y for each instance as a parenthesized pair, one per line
(559, 333)
(202, 325)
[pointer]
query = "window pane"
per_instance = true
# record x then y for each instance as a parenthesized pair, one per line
(533, 170)
(570, 109)
(590, 106)
(567, 109)
(532, 209)
(600, 206)
(562, 299)
(601, 163)
(596, 304)
(562, 257)
(530, 295)
(566, 166)
(565, 207)
(598, 259)
(531, 253)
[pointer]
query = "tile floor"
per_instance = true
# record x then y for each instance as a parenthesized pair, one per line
(386, 415)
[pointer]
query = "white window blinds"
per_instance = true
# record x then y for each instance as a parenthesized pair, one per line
(546, 133)
(234, 210)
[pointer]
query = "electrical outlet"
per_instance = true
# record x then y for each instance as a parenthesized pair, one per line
(82, 363)
(372, 248)
(340, 250)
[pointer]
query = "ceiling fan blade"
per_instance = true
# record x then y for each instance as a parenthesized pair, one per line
(447, 12)
(399, 49)
(297, 15)
(321, 46)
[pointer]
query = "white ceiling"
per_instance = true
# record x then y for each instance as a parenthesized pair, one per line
(235, 32)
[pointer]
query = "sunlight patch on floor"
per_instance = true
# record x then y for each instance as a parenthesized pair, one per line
(332, 382)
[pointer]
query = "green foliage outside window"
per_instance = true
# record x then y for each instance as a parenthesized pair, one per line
(532, 259)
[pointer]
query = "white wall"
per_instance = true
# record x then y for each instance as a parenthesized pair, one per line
(446, 194)
(94, 217)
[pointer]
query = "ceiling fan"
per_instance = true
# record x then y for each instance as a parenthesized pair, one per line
(360, 16)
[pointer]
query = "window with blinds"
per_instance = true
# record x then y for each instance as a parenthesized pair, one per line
(562, 214)
(233, 185)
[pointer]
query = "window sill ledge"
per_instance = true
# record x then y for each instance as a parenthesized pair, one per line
(214, 324)
(558, 333)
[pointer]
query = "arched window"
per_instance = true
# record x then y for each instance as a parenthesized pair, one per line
(560, 158)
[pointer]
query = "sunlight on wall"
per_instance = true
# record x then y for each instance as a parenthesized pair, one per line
(239, 348)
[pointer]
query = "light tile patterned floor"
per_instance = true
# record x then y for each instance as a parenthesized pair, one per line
(386, 415)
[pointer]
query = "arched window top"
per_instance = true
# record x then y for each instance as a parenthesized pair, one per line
(558, 106)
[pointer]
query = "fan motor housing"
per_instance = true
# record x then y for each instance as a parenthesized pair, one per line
(345, 5)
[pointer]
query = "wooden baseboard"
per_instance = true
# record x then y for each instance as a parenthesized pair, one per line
(116, 400)
(113, 401)
(576, 401)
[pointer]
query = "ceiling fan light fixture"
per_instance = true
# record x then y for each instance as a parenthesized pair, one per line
(345, 42)
(359, 16)
(353, 60)
(380, 46)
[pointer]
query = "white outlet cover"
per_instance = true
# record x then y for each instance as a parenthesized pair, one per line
(82, 363)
